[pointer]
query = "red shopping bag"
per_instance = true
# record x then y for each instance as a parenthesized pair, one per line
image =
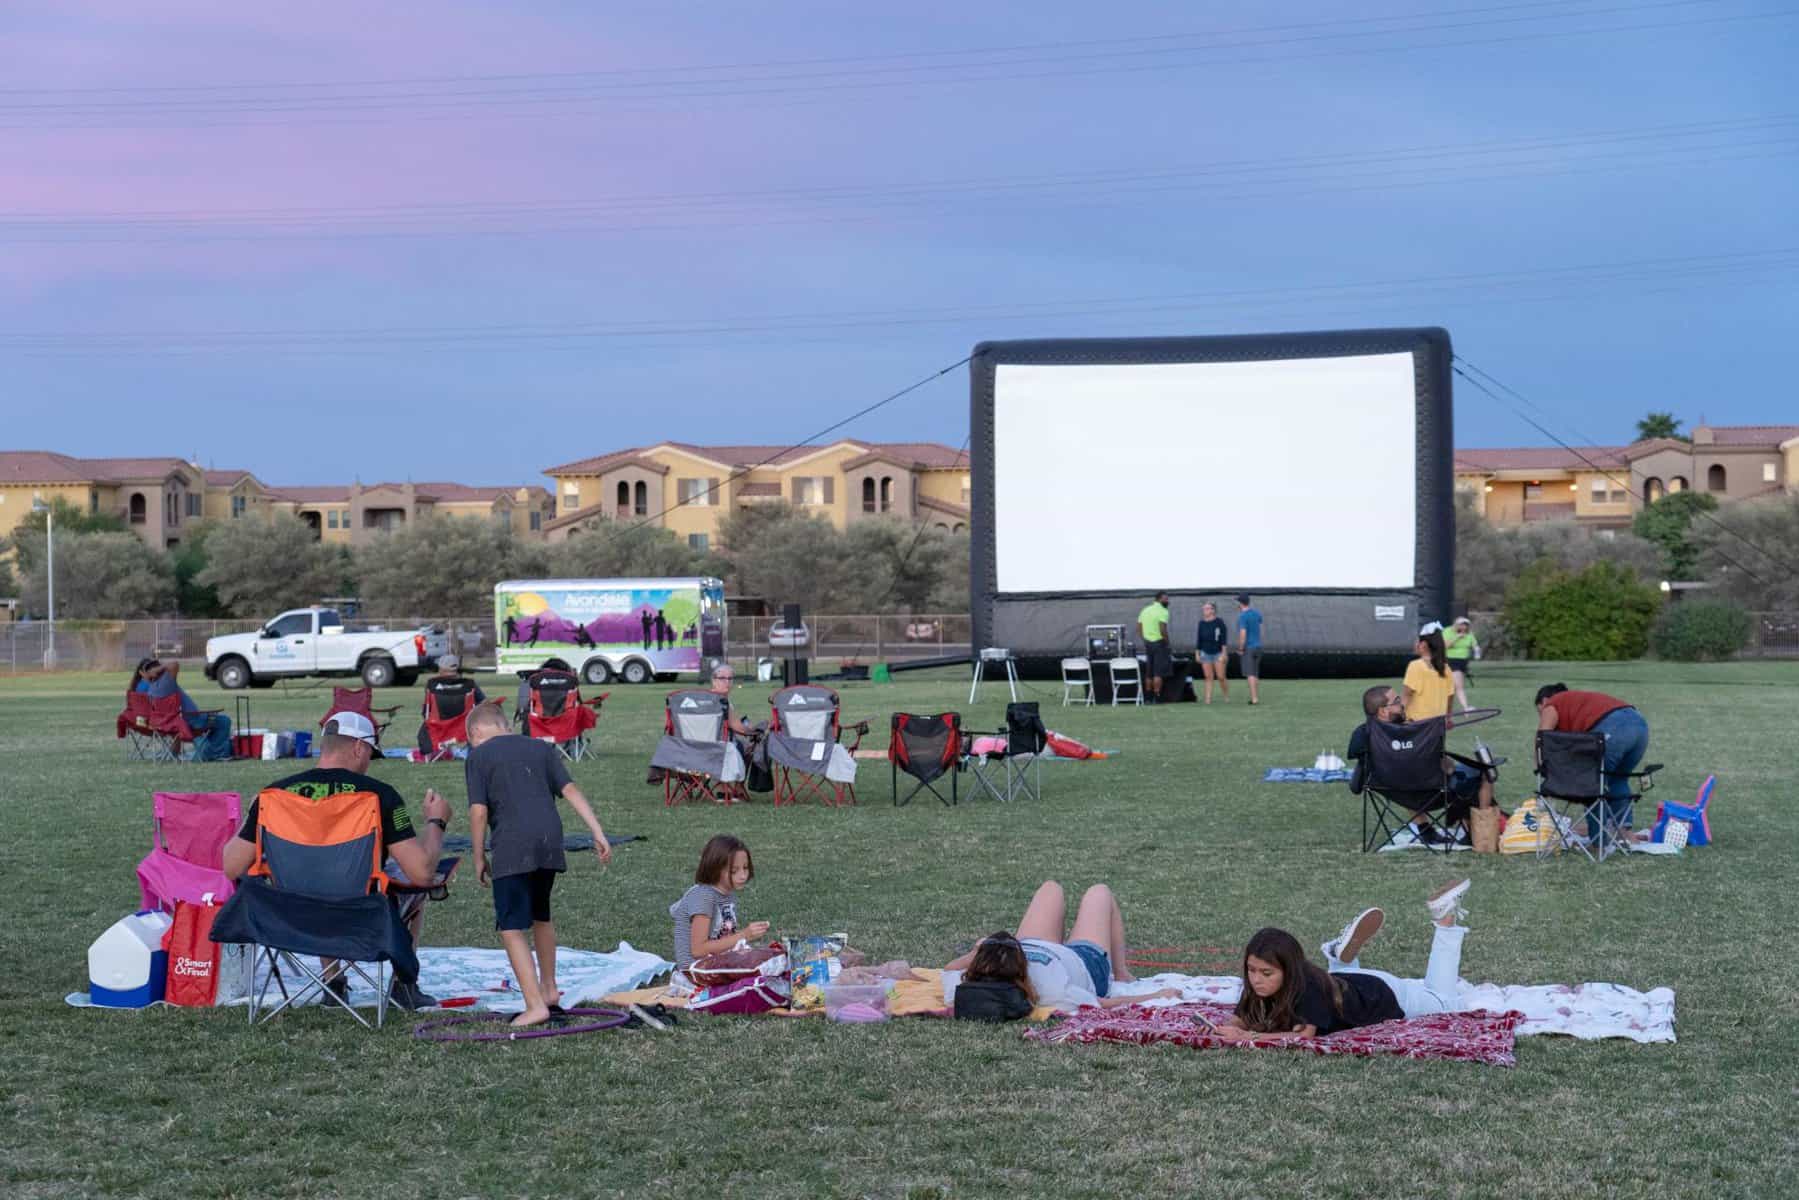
(196, 962)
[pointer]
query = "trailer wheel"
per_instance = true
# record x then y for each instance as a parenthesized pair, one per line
(596, 672)
(637, 671)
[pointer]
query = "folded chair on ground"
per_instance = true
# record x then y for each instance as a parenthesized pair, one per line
(697, 757)
(360, 701)
(1572, 779)
(1402, 780)
(925, 748)
(1008, 764)
(187, 848)
(155, 729)
(448, 702)
(558, 714)
(316, 888)
(803, 746)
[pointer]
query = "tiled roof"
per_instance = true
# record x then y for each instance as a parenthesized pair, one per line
(924, 455)
(216, 478)
(45, 466)
(758, 489)
(1538, 458)
(330, 493)
(1751, 435)
(574, 518)
(949, 507)
(134, 468)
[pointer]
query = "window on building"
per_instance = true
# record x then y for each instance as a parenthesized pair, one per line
(93, 501)
(1714, 478)
(886, 493)
(536, 520)
(696, 491)
(1533, 491)
(624, 497)
(137, 508)
(238, 504)
(331, 519)
(640, 499)
(1620, 493)
(868, 495)
(1677, 484)
(812, 489)
(1600, 491)
(194, 501)
(966, 493)
(1769, 472)
(698, 541)
(1652, 490)
(571, 500)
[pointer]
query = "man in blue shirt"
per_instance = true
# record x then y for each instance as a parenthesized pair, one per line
(157, 679)
(1249, 646)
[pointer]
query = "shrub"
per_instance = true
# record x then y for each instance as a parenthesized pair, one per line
(1694, 630)
(1600, 613)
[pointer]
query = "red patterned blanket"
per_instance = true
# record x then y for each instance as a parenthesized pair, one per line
(1479, 1036)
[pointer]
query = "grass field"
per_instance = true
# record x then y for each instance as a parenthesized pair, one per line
(185, 1103)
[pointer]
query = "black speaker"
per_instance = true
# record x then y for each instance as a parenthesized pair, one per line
(790, 615)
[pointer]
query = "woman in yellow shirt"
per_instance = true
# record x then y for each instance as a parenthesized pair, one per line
(1428, 684)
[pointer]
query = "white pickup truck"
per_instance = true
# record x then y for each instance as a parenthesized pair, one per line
(314, 641)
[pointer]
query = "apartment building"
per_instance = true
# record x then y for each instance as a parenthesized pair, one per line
(352, 514)
(1607, 485)
(689, 489)
(158, 498)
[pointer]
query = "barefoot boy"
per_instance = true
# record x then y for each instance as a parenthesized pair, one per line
(513, 782)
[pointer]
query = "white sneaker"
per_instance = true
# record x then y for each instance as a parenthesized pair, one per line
(1446, 900)
(1355, 935)
(1405, 839)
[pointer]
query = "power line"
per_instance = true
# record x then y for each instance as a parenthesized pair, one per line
(78, 116)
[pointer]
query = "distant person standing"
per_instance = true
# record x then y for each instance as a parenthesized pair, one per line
(1213, 645)
(1249, 645)
(1460, 648)
(1152, 625)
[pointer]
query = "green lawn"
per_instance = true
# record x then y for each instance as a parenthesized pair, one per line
(184, 1103)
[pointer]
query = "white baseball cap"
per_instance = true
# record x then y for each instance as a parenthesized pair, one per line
(351, 725)
(1431, 627)
(449, 662)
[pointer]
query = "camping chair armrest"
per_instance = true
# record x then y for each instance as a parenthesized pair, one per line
(1472, 762)
(219, 712)
(1644, 775)
(859, 728)
(596, 701)
(390, 710)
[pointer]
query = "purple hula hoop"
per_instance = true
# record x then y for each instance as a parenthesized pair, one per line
(444, 1029)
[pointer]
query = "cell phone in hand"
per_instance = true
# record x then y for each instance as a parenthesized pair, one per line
(1204, 1023)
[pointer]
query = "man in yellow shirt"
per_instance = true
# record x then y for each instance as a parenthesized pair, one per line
(1152, 625)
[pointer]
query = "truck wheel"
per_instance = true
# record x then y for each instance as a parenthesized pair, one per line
(378, 672)
(234, 673)
(636, 671)
(596, 672)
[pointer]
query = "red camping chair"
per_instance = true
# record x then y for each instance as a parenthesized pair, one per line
(448, 703)
(810, 713)
(157, 728)
(187, 848)
(926, 748)
(558, 714)
(361, 701)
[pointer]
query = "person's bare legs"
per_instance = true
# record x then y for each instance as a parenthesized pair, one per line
(1255, 691)
(1046, 915)
(1223, 669)
(1205, 669)
(1098, 920)
(1461, 689)
(543, 940)
(518, 953)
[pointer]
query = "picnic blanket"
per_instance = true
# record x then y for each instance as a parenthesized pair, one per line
(452, 972)
(919, 997)
(1485, 1037)
(1589, 1011)
(1307, 775)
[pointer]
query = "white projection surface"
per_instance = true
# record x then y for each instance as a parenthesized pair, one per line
(1292, 473)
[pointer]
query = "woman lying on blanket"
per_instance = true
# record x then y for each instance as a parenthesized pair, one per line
(1285, 996)
(1005, 976)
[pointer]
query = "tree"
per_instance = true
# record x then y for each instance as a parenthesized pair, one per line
(98, 575)
(259, 568)
(1669, 524)
(69, 519)
(193, 598)
(1752, 555)
(440, 567)
(1601, 613)
(1488, 558)
(1659, 425)
(786, 556)
(892, 565)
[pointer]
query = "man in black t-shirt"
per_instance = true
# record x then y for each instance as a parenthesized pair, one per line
(345, 750)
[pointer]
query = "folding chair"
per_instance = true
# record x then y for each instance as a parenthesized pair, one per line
(316, 889)
(1013, 768)
(926, 748)
(803, 733)
(449, 699)
(1126, 672)
(360, 700)
(696, 755)
(1571, 772)
(558, 714)
(1077, 673)
(1401, 779)
(187, 848)
(155, 728)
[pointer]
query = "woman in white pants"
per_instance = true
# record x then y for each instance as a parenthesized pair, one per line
(1285, 995)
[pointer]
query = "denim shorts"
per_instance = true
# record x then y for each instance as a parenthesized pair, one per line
(1210, 658)
(1099, 965)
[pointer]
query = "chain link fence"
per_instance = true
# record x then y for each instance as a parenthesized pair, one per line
(29, 646)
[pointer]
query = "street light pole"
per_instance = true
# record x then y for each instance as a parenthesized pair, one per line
(38, 505)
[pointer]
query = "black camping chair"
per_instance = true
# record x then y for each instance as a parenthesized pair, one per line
(1571, 773)
(1401, 778)
(926, 748)
(1017, 770)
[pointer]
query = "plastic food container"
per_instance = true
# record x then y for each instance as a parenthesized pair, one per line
(856, 1003)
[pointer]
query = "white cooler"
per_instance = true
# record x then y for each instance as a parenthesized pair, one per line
(126, 965)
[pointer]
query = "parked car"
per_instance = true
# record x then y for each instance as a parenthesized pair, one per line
(786, 637)
(315, 641)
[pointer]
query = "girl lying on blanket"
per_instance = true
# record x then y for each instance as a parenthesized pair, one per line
(1004, 976)
(1285, 996)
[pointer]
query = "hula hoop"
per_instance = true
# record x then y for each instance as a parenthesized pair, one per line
(593, 1021)
(1473, 716)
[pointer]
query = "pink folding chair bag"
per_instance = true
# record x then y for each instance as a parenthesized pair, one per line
(187, 852)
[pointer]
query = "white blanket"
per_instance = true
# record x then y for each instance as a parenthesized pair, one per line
(1584, 1010)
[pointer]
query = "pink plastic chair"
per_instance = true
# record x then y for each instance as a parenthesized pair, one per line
(187, 850)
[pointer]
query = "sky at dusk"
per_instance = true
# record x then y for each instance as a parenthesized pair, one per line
(457, 241)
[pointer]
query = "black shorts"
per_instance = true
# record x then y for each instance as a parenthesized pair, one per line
(521, 900)
(1161, 663)
(1465, 666)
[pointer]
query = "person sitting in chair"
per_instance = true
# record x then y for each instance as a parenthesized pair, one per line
(157, 679)
(1468, 787)
(448, 667)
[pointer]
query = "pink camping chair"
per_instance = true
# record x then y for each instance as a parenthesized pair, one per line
(187, 850)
